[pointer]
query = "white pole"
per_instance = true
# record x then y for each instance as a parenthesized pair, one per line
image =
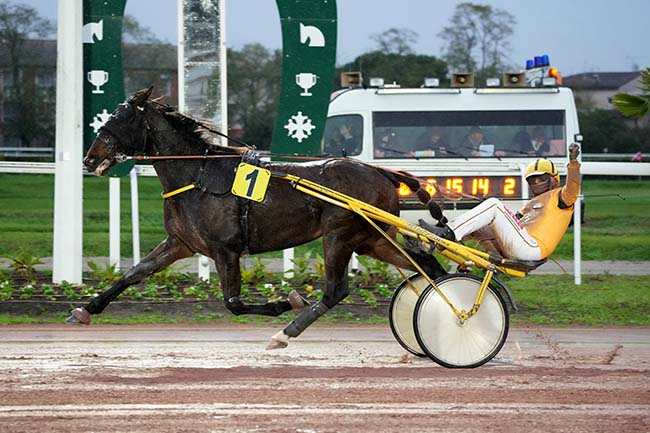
(135, 216)
(68, 178)
(524, 182)
(223, 73)
(181, 56)
(114, 221)
(577, 237)
(203, 263)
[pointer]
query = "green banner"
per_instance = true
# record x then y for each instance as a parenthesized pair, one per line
(309, 54)
(102, 63)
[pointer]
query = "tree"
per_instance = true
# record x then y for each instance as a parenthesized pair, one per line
(408, 70)
(635, 105)
(17, 24)
(254, 77)
(21, 98)
(134, 32)
(396, 41)
(477, 39)
(141, 49)
(606, 131)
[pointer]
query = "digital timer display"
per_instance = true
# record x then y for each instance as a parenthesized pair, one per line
(478, 186)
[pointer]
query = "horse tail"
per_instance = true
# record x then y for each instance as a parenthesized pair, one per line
(414, 184)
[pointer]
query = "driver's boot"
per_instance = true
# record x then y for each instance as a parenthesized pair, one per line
(444, 232)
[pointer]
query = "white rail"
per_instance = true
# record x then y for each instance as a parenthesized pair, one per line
(27, 152)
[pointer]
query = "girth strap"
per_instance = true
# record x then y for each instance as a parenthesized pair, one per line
(253, 158)
(244, 207)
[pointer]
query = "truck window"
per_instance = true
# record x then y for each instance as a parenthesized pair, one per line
(343, 135)
(469, 134)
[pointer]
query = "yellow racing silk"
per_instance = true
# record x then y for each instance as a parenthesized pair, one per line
(543, 218)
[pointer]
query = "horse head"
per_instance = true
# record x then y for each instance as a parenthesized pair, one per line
(122, 135)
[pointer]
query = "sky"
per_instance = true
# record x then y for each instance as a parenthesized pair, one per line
(578, 35)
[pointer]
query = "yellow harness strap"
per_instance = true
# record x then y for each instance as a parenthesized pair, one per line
(178, 191)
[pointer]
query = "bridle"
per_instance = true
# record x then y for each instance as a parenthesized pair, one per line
(114, 139)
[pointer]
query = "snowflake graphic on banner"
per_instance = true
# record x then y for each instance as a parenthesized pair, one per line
(99, 120)
(299, 127)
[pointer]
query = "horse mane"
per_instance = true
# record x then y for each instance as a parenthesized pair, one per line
(201, 130)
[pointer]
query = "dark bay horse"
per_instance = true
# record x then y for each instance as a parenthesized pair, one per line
(209, 220)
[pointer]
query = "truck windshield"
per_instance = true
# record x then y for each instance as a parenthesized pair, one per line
(468, 134)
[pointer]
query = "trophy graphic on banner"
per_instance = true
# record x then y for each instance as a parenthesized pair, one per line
(306, 80)
(98, 79)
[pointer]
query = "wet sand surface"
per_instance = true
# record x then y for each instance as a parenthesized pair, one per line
(174, 378)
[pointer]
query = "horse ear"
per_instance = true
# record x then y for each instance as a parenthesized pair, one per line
(141, 96)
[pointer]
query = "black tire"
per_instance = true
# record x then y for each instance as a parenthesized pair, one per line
(400, 313)
(444, 339)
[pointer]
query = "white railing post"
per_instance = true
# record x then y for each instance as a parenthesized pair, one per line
(204, 267)
(287, 262)
(68, 178)
(114, 222)
(135, 216)
(354, 262)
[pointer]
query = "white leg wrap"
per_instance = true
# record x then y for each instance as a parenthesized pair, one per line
(278, 341)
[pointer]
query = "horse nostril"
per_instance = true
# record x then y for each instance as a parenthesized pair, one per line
(89, 162)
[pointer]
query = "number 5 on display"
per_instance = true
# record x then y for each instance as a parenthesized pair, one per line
(251, 182)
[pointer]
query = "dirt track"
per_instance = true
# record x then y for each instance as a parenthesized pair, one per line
(218, 379)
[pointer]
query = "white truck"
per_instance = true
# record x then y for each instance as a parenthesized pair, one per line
(473, 140)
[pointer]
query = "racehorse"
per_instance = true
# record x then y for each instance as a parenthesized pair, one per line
(208, 219)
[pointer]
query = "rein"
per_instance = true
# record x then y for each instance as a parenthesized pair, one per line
(167, 157)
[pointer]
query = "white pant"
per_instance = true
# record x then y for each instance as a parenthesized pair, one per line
(495, 225)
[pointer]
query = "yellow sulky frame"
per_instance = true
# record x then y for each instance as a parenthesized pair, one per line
(460, 254)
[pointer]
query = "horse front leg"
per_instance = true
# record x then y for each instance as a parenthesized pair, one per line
(337, 256)
(166, 253)
(227, 264)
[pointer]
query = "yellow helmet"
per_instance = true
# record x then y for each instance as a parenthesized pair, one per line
(542, 166)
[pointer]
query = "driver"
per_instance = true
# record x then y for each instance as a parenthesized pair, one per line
(533, 232)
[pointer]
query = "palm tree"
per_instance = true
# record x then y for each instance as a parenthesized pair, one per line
(635, 105)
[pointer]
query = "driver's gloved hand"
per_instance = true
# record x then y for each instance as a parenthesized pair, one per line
(574, 151)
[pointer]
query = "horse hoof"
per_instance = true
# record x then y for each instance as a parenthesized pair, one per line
(278, 341)
(78, 316)
(297, 302)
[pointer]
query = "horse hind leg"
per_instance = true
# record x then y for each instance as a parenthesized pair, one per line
(337, 255)
(166, 253)
(227, 264)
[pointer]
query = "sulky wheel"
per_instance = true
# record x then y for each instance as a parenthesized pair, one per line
(447, 341)
(400, 313)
